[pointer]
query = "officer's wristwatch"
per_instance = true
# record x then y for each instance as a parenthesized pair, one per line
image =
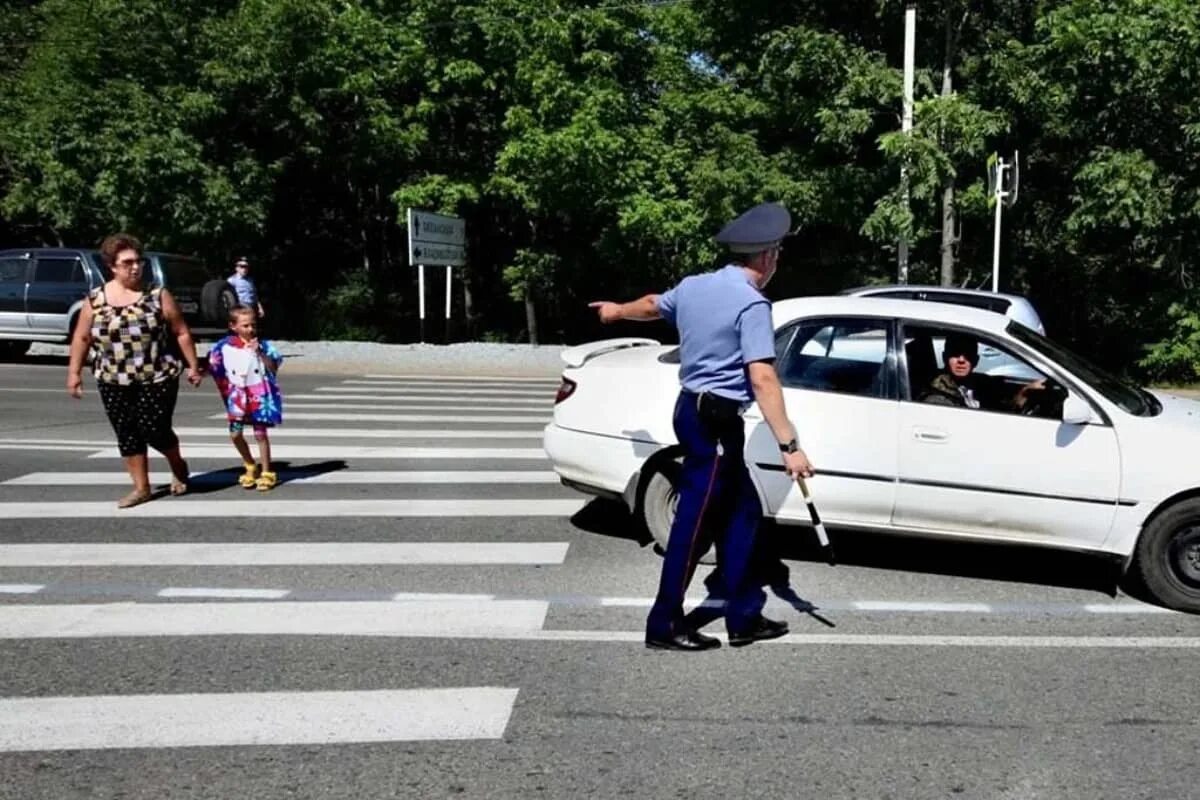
(790, 447)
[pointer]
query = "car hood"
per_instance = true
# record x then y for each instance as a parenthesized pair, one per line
(1178, 409)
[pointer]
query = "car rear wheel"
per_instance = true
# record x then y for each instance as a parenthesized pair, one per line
(216, 298)
(660, 497)
(1168, 556)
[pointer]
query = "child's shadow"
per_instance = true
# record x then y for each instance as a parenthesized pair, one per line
(218, 480)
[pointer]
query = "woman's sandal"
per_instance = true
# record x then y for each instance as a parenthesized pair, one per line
(134, 498)
(266, 481)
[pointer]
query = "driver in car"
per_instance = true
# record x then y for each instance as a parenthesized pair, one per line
(959, 384)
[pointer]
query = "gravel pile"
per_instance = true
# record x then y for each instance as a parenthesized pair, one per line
(360, 358)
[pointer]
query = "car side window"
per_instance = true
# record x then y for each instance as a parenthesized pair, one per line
(12, 270)
(839, 355)
(990, 377)
(59, 270)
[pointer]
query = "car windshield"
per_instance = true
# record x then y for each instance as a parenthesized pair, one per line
(1130, 398)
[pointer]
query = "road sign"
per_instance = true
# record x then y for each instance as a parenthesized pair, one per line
(436, 254)
(436, 239)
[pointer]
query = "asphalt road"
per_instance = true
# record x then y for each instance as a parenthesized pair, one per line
(422, 612)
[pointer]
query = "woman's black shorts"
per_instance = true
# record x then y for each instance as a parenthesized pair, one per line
(141, 414)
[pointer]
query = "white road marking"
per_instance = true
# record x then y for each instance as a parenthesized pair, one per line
(391, 401)
(1127, 608)
(230, 594)
(253, 718)
(410, 596)
(346, 452)
(898, 605)
(442, 619)
(495, 620)
(448, 418)
(298, 477)
(402, 406)
(75, 444)
(62, 448)
(195, 509)
(86, 554)
(452, 379)
(345, 434)
(21, 588)
(440, 393)
(883, 640)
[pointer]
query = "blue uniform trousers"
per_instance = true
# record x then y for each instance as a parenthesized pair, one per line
(717, 504)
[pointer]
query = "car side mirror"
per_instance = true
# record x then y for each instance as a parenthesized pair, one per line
(1076, 411)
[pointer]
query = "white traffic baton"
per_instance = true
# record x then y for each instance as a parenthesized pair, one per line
(822, 537)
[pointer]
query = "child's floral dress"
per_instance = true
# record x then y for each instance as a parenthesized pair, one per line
(249, 389)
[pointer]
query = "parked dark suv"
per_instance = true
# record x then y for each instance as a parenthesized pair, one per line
(42, 290)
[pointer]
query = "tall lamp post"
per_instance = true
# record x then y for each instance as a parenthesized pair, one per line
(1003, 180)
(910, 47)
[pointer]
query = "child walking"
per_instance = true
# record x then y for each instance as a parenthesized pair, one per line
(244, 370)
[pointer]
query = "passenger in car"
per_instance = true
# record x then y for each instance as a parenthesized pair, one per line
(959, 384)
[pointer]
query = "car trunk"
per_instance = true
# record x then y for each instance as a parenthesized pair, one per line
(627, 393)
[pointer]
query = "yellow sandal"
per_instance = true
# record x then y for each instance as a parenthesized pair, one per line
(249, 478)
(266, 481)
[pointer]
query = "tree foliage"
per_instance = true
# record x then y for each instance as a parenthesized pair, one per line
(595, 146)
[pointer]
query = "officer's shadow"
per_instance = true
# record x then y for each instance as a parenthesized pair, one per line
(769, 571)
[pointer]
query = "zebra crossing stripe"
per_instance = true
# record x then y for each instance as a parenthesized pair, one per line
(449, 418)
(261, 508)
(424, 618)
(345, 452)
(404, 406)
(258, 554)
(253, 718)
(450, 380)
(345, 434)
(463, 403)
(298, 477)
(438, 393)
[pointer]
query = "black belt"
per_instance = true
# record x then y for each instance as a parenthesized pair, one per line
(715, 408)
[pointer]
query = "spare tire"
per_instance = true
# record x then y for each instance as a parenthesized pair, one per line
(216, 298)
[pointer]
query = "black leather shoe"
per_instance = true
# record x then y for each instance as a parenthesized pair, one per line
(686, 640)
(763, 629)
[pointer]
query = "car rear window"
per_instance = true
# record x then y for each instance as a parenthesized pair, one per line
(997, 304)
(181, 272)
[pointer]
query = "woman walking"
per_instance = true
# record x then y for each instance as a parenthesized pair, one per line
(128, 330)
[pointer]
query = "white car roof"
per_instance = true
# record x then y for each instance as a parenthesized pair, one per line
(784, 311)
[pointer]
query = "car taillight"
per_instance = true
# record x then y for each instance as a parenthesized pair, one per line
(565, 390)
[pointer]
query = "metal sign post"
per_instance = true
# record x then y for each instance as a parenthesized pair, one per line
(449, 285)
(421, 297)
(436, 240)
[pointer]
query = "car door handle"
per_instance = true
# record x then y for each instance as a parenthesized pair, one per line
(930, 435)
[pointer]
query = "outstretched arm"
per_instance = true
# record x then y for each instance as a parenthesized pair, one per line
(644, 309)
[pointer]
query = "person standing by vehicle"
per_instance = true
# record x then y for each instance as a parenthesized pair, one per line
(128, 331)
(243, 285)
(727, 352)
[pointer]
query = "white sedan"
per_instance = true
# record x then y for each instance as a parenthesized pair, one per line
(1088, 464)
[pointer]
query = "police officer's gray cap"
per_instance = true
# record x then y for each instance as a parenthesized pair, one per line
(760, 228)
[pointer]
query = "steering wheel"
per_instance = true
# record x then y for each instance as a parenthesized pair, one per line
(1046, 401)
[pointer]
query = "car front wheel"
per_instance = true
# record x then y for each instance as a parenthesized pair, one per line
(660, 498)
(1168, 556)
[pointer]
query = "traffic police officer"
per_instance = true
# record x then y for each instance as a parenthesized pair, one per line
(727, 352)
